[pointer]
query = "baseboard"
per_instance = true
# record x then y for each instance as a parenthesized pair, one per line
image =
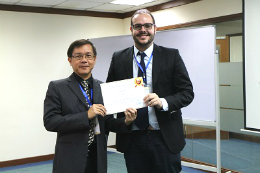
(223, 170)
(208, 135)
(31, 159)
(244, 137)
(112, 146)
(26, 160)
(195, 132)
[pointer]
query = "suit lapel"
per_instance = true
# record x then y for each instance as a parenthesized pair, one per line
(74, 86)
(96, 92)
(97, 99)
(158, 58)
(128, 62)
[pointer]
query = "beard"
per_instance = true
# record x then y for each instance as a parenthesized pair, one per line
(143, 44)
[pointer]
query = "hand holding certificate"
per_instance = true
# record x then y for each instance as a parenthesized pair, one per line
(120, 95)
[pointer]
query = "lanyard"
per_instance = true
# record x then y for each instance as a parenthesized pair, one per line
(86, 96)
(141, 68)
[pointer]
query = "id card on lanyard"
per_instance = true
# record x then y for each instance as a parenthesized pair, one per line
(144, 70)
(97, 127)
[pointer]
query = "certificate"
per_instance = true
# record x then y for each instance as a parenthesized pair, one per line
(120, 95)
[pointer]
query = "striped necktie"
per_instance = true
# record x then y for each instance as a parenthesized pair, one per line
(91, 122)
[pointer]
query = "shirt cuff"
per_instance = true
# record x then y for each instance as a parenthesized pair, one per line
(164, 104)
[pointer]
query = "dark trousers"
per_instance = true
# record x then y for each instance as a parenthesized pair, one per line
(91, 166)
(148, 153)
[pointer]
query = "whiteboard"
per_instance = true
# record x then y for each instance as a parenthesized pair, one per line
(251, 64)
(197, 48)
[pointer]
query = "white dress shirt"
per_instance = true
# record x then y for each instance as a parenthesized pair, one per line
(151, 112)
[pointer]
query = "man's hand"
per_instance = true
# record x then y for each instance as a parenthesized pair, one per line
(130, 115)
(152, 99)
(96, 109)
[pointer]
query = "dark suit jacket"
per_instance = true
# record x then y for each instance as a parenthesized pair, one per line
(65, 112)
(170, 80)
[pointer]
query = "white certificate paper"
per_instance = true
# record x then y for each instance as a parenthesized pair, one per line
(120, 95)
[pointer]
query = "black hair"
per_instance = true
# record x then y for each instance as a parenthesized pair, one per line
(79, 43)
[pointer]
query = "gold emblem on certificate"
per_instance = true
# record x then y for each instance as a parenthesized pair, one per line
(139, 81)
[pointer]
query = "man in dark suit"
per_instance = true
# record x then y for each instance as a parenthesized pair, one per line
(73, 108)
(157, 137)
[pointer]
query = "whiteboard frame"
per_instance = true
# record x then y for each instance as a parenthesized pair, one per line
(247, 125)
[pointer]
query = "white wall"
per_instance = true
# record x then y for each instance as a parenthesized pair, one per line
(33, 52)
(192, 12)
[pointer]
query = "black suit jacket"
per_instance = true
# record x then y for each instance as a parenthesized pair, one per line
(65, 112)
(170, 80)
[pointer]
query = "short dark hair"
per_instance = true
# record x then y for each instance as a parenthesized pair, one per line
(79, 43)
(142, 11)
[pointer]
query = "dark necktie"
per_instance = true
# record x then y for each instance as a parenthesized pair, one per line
(142, 120)
(140, 72)
(91, 122)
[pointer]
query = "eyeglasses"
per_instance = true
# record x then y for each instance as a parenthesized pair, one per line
(80, 56)
(139, 26)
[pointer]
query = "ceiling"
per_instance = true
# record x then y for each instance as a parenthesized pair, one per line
(88, 5)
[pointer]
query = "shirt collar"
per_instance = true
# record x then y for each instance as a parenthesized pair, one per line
(89, 80)
(148, 51)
